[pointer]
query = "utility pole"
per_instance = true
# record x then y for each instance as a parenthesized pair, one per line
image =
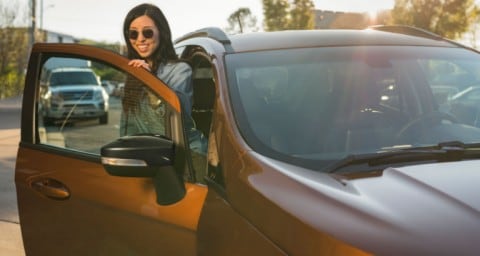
(33, 16)
(41, 15)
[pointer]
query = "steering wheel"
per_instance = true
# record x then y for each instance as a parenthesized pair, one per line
(423, 121)
(390, 116)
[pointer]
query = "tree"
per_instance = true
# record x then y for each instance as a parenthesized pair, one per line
(282, 14)
(13, 52)
(275, 14)
(448, 18)
(473, 30)
(241, 21)
(302, 15)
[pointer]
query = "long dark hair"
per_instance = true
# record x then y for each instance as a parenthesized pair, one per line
(165, 51)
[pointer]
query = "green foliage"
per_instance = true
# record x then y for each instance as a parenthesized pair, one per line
(302, 15)
(275, 14)
(13, 60)
(14, 47)
(11, 84)
(107, 73)
(448, 18)
(282, 14)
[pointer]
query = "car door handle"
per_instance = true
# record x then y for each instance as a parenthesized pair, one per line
(51, 188)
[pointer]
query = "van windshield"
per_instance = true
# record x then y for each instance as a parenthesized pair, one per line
(72, 78)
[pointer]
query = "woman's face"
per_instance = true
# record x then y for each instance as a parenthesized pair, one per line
(144, 36)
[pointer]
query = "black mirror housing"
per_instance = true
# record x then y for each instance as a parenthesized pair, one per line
(137, 155)
(146, 155)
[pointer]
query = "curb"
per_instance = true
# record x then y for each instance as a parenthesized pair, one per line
(9, 242)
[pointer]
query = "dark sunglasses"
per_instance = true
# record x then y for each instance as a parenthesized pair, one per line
(147, 33)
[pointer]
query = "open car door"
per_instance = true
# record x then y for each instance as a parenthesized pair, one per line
(87, 187)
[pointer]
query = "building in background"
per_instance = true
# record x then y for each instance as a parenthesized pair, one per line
(47, 36)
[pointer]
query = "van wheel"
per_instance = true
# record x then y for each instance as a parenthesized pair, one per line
(104, 119)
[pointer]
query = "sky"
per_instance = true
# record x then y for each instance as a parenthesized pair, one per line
(101, 20)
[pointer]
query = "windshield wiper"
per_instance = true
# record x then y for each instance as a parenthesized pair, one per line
(443, 152)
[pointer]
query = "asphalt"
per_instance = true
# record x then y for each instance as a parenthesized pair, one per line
(11, 243)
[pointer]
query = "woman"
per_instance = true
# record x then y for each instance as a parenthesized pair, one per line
(149, 45)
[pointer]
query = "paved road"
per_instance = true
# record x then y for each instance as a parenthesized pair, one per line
(11, 243)
(10, 235)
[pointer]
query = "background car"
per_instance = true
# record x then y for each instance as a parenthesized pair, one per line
(321, 142)
(72, 93)
(109, 86)
(118, 91)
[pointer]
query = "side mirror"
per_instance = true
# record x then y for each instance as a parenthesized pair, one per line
(146, 156)
(137, 156)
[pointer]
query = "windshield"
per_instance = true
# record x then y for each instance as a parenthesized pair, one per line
(73, 78)
(315, 106)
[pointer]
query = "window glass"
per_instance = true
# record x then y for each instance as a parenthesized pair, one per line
(474, 95)
(84, 105)
(314, 106)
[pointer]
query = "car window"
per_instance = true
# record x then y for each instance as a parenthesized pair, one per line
(451, 73)
(323, 104)
(474, 95)
(80, 115)
(297, 105)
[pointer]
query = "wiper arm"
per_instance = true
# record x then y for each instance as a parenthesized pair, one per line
(379, 158)
(445, 151)
(458, 145)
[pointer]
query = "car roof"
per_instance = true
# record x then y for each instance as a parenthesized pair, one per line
(322, 38)
(379, 35)
(71, 69)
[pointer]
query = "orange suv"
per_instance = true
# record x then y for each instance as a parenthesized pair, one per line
(322, 142)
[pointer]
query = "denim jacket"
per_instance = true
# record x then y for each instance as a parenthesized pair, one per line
(178, 76)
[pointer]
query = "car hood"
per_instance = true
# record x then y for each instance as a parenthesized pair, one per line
(418, 209)
(73, 87)
(432, 208)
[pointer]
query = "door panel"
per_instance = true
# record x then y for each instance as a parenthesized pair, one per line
(68, 204)
(215, 239)
(103, 213)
